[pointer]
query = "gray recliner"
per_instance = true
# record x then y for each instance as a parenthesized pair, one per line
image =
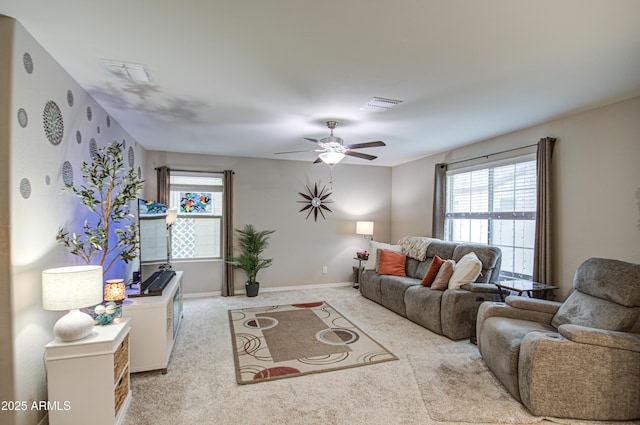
(578, 359)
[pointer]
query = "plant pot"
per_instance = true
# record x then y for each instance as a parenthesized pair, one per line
(252, 289)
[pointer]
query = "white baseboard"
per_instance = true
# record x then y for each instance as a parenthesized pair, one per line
(301, 287)
(272, 289)
(202, 294)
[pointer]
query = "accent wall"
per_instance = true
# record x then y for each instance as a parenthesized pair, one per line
(48, 127)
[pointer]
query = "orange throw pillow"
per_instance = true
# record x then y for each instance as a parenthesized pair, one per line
(432, 271)
(392, 263)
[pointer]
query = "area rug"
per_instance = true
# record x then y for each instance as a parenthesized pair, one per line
(457, 386)
(284, 341)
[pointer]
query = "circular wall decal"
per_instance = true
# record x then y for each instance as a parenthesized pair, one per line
(108, 121)
(25, 188)
(139, 172)
(93, 148)
(98, 129)
(124, 144)
(23, 119)
(78, 137)
(67, 173)
(28, 63)
(69, 97)
(47, 180)
(53, 123)
(89, 113)
(131, 157)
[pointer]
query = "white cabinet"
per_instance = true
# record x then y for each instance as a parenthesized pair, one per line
(155, 321)
(88, 379)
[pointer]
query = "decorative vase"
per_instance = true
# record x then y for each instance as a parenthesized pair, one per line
(252, 289)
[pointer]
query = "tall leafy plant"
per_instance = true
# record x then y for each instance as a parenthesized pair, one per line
(252, 243)
(108, 188)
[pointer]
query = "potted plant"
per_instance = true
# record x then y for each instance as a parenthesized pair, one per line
(107, 191)
(252, 243)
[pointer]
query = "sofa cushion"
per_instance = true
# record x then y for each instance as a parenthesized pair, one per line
(432, 272)
(441, 282)
(465, 271)
(612, 280)
(586, 310)
(391, 263)
(423, 307)
(392, 289)
(372, 261)
(442, 249)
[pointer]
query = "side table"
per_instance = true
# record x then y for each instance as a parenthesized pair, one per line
(88, 379)
(521, 285)
(356, 285)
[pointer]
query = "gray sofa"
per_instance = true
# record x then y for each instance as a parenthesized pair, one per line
(451, 312)
(579, 359)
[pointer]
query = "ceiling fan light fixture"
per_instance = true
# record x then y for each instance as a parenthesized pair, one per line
(380, 104)
(331, 157)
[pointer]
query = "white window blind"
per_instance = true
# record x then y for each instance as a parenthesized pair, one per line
(496, 205)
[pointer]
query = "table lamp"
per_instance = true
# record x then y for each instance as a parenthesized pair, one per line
(114, 290)
(72, 288)
(364, 228)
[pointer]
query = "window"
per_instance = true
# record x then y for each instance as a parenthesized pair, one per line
(197, 233)
(496, 205)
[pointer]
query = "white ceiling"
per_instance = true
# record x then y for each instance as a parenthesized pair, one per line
(253, 77)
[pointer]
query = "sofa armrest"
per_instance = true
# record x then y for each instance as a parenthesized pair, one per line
(601, 337)
(533, 304)
(481, 287)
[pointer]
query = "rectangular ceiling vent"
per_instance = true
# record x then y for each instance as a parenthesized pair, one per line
(380, 104)
(128, 71)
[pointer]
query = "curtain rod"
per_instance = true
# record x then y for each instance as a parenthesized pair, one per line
(194, 171)
(491, 154)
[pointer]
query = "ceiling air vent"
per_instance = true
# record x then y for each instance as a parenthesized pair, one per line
(380, 104)
(128, 71)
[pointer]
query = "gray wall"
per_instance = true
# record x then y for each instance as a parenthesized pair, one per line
(597, 172)
(266, 195)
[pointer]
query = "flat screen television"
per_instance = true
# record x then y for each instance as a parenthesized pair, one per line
(152, 228)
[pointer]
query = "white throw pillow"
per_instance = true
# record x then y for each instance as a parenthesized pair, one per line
(466, 271)
(374, 246)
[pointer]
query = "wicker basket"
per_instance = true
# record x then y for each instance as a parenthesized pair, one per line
(120, 359)
(122, 390)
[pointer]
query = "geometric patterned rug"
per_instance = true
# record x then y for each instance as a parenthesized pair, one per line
(285, 341)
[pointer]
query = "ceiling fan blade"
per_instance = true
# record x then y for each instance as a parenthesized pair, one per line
(280, 153)
(367, 145)
(312, 140)
(360, 155)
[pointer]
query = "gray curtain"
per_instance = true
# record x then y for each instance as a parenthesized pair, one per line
(543, 248)
(164, 174)
(439, 195)
(227, 237)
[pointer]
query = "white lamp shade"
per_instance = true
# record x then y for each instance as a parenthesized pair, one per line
(364, 228)
(331, 157)
(68, 288)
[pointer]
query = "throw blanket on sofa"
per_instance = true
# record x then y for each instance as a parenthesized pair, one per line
(415, 246)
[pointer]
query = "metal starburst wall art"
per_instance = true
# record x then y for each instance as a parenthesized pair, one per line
(316, 200)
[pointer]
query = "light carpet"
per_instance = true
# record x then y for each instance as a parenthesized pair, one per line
(285, 341)
(457, 386)
(200, 386)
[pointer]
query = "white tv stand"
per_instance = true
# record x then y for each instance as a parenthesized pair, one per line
(155, 321)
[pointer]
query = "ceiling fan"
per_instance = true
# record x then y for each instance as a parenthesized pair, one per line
(333, 149)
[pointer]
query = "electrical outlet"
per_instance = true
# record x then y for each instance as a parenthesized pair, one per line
(324, 270)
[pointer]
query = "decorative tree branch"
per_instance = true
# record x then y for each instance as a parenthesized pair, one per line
(108, 187)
